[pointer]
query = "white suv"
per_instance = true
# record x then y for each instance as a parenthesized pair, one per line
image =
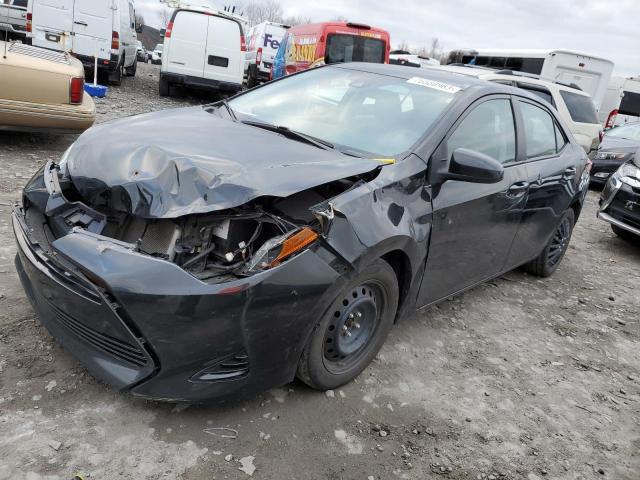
(574, 106)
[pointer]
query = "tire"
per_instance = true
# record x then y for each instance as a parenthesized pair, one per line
(551, 256)
(351, 332)
(131, 71)
(164, 88)
(115, 77)
(625, 234)
(251, 77)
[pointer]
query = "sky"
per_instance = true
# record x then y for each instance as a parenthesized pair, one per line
(605, 28)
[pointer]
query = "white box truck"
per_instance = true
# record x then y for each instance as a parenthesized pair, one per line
(263, 41)
(203, 49)
(621, 103)
(85, 28)
(589, 72)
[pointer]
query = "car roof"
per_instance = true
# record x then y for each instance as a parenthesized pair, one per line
(485, 73)
(400, 71)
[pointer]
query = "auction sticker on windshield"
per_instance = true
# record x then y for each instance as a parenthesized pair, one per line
(443, 87)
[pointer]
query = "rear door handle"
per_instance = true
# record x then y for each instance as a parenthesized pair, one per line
(82, 23)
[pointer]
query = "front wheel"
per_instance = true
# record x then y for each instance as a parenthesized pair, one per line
(352, 330)
(548, 261)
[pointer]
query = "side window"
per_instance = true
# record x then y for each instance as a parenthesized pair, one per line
(539, 129)
(543, 93)
(488, 129)
(561, 141)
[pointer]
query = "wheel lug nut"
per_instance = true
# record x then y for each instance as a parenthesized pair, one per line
(359, 314)
(356, 325)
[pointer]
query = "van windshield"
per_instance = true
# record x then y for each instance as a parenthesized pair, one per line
(371, 114)
(354, 48)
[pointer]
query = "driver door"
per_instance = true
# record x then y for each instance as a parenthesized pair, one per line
(474, 224)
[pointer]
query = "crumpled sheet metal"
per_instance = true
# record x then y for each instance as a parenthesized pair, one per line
(188, 161)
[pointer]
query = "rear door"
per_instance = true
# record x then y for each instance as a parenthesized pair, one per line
(223, 57)
(93, 27)
(554, 174)
(184, 51)
(52, 24)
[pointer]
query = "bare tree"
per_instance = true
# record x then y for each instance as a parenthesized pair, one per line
(295, 20)
(263, 11)
(140, 20)
(435, 51)
(339, 18)
(404, 46)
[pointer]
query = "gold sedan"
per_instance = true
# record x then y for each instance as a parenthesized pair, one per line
(42, 90)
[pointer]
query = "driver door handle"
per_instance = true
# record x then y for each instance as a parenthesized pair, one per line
(570, 171)
(518, 189)
(82, 23)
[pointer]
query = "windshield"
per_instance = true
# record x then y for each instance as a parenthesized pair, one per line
(354, 110)
(354, 48)
(630, 132)
(159, 47)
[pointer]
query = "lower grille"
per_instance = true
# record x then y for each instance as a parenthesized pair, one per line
(117, 348)
(229, 368)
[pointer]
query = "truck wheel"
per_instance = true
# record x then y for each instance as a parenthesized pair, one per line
(115, 77)
(548, 261)
(251, 77)
(352, 330)
(131, 71)
(165, 88)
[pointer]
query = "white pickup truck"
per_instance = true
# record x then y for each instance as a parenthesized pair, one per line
(13, 19)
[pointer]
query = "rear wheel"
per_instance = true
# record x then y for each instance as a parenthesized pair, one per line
(115, 77)
(252, 81)
(625, 234)
(164, 87)
(352, 330)
(549, 260)
(131, 71)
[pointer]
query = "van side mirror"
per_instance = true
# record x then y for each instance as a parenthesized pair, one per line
(475, 167)
(163, 31)
(139, 28)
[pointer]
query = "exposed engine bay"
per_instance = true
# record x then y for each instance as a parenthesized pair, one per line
(215, 246)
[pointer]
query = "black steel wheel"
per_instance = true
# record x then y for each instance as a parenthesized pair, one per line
(352, 330)
(549, 259)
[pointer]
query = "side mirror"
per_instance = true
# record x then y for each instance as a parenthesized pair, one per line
(475, 167)
(163, 31)
(138, 28)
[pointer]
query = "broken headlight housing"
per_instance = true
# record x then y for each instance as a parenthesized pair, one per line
(276, 250)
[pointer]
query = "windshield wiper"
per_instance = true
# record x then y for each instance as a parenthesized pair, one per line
(226, 105)
(303, 137)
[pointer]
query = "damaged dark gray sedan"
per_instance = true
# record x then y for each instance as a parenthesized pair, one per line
(217, 251)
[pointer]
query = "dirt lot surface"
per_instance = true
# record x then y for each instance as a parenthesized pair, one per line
(518, 378)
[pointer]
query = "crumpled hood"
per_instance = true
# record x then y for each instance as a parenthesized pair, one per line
(184, 161)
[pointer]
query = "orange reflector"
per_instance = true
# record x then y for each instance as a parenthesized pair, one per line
(294, 243)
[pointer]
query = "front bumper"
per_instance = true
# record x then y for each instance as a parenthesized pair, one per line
(146, 326)
(620, 206)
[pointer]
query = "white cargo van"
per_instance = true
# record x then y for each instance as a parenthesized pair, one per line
(202, 49)
(589, 72)
(86, 28)
(621, 104)
(263, 41)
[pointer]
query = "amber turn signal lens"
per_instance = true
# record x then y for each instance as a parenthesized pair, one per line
(295, 243)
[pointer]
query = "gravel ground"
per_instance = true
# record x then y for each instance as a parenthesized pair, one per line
(518, 378)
